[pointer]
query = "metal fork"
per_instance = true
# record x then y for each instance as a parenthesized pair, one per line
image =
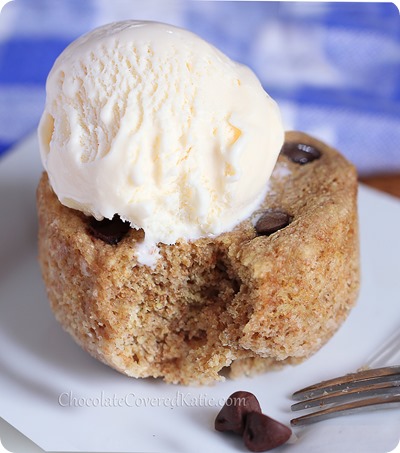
(354, 392)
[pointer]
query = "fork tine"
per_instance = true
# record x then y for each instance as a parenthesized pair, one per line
(344, 409)
(347, 381)
(380, 386)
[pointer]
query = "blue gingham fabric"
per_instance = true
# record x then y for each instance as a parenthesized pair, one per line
(334, 68)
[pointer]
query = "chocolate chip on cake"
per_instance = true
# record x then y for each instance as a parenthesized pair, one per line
(263, 433)
(300, 153)
(232, 417)
(109, 231)
(271, 221)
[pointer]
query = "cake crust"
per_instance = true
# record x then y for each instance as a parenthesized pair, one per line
(239, 300)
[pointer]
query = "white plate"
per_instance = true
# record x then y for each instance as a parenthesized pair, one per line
(41, 367)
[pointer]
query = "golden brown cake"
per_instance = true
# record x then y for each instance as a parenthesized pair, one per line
(247, 299)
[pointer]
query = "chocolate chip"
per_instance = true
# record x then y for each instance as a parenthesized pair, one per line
(272, 220)
(263, 433)
(232, 417)
(109, 231)
(300, 153)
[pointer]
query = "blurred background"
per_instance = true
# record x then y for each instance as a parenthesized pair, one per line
(334, 68)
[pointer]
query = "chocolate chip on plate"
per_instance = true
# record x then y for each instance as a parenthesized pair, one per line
(109, 231)
(263, 433)
(300, 153)
(271, 221)
(232, 417)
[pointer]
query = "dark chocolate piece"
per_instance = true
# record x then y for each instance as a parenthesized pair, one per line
(232, 417)
(272, 220)
(109, 231)
(300, 153)
(263, 433)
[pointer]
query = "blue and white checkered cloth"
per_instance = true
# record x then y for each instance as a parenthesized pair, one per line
(334, 68)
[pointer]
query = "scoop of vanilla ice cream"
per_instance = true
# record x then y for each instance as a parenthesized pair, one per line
(150, 122)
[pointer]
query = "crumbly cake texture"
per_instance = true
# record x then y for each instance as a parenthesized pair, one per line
(240, 300)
